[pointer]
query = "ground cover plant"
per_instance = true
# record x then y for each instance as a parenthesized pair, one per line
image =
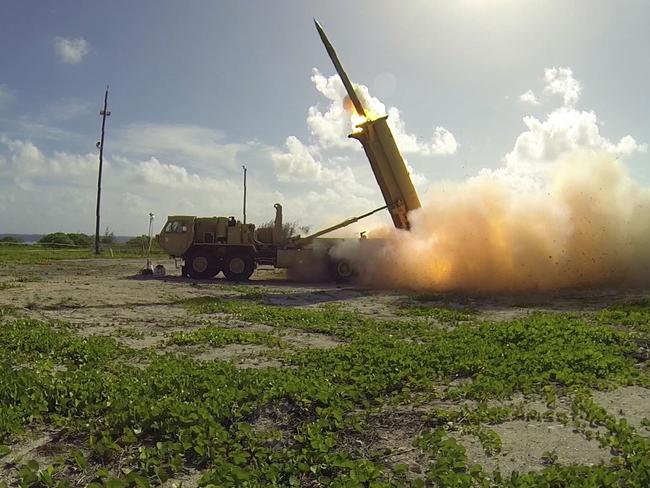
(42, 254)
(122, 422)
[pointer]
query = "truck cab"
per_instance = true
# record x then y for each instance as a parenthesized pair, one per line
(177, 235)
(210, 245)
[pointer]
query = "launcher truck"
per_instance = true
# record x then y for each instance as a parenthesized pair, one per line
(209, 245)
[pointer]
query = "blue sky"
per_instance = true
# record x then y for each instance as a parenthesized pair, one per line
(199, 88)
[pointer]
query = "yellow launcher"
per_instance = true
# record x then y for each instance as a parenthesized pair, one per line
(389, 168)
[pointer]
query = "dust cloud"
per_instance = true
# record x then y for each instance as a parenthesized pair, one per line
(583, 223)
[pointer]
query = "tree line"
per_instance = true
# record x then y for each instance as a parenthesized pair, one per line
(81, 240)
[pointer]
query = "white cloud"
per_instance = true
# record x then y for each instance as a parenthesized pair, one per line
(70, 165)
(66, 110)
(26, 167)
(330, 128)
(565, 129)
(560, 81)
(56, 191)
(529, 97)
(443, 142)
(298, 164)
(26, 159)
(302, 164)
(6, 96)
(36, 130)
(71, 51)
(190, 144)
(166, 175)
(21, 153)
(331, 205)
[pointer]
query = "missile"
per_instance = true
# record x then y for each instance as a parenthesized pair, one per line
(339, 69)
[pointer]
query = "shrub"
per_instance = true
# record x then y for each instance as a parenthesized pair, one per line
(11, 239)
(108, 237)
(81, 240)
(289, 229)
(141, 244)
(56, 239)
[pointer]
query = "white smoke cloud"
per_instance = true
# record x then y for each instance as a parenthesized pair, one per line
(529, 97)
(560, 81)
(71, 51)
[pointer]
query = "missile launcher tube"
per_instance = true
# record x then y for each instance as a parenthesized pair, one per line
(390, 170)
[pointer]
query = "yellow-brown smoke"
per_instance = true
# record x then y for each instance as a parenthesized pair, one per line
(587, 225)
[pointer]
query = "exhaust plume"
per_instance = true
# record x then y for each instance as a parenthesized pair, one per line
(584, 224)
(561, 213)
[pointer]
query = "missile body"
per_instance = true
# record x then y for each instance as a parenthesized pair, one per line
(339, 69)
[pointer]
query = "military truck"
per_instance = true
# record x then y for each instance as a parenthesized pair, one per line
(210, 245)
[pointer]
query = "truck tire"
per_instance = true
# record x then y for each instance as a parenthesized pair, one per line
(201, 264)
(341, 270)
(238, 266)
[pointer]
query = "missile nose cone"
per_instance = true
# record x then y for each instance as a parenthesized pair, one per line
(339, 69)
(323, 37)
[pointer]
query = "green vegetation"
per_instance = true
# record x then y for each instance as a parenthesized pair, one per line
(289, 229)
(38, 254)
(6, 285)
(443, 315)
(139, 426)
(141, 244)
(61, 239)
(218, 336)
(633, 316)
(10, 240)
(250, 308)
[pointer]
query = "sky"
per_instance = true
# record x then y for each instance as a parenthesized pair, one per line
(198, 89)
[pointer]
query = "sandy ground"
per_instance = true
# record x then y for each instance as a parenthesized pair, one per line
(106, 297)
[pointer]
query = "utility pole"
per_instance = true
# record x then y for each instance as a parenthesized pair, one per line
(245, 170)
(104, 113)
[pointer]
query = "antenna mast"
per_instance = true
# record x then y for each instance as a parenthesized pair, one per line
(245, 170)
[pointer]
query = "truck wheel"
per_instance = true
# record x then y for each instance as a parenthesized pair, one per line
(238, 267)
(341, 270)
(201, 264)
